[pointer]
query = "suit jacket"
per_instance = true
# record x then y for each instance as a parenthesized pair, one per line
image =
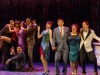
(20, 61)
(60, 41)
(88, 40)
(31, 34)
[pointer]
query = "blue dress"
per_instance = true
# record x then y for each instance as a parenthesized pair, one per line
(45, 43)
(74, 44)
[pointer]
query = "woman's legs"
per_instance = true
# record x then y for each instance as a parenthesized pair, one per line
(4, 38)
(7, 39)
(44, 62)
(1, 44)
(74, 66)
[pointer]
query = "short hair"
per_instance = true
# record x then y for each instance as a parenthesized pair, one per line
(49, 22)
(86, 22)
(20, 46)
(60, 19)
(11, 21)
(28, 18)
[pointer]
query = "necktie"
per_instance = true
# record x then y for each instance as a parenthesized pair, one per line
(61, 32)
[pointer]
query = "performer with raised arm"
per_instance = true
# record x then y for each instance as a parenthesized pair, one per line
(45, 43)
(86, 49)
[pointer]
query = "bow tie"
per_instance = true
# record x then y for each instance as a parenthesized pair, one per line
(85, 31)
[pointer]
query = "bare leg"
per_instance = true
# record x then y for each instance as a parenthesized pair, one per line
(44, 62)
(1, 44)
(72, 66)
(75, 67)
(7, 39)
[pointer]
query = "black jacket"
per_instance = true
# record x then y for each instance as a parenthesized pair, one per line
(20, 61)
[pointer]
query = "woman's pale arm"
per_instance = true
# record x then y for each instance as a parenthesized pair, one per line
(39, 36)
(11, 30)
(50, 32)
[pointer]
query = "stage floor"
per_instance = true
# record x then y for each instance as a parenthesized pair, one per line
(39, 70)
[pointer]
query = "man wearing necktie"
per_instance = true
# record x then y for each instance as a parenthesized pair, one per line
(86, 49)
(59, 44)
(61, 32)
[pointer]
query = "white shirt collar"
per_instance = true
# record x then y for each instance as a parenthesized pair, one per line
(60, 27)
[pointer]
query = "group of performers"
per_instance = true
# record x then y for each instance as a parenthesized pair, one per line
(73, 43)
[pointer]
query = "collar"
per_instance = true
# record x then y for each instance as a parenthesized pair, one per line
(60, 27)
(29, 25)
(86, 30)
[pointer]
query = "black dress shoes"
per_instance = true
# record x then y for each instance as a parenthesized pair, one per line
(30, 69)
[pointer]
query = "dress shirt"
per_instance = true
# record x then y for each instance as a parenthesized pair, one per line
(85, 33)
(61, 30)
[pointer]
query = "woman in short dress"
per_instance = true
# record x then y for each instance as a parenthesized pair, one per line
(74, 43)
(45, 45)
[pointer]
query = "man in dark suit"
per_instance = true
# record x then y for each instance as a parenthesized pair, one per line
(17, 63)
(5, 45)
(59, 43)
(30, 42)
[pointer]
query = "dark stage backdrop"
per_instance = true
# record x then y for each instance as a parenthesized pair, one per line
(72, 11)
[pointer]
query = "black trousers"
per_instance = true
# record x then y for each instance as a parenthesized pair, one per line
(5, 53)
(83, 57)
(11, 66)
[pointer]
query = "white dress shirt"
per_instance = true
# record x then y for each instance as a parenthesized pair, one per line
(62, 32)
(85, 34)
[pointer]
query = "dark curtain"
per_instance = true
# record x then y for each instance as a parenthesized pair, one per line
(72, 11)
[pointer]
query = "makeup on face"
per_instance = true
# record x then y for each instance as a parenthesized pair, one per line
(48, 26)
(74, 28)
(85, 26)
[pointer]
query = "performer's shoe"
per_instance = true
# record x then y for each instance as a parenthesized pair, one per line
(95, 73)
(56, 74)
(63, 72)
(83, 73)
(30, 69)
(46, 73)
(74, 73)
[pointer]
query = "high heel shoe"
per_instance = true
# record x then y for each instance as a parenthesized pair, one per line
(46, 73)
(73, 73)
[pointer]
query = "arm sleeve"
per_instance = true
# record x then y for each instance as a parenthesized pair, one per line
(17, 56)
(54, 38)
(95, 36)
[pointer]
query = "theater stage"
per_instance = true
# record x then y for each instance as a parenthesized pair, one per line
(39, 70)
